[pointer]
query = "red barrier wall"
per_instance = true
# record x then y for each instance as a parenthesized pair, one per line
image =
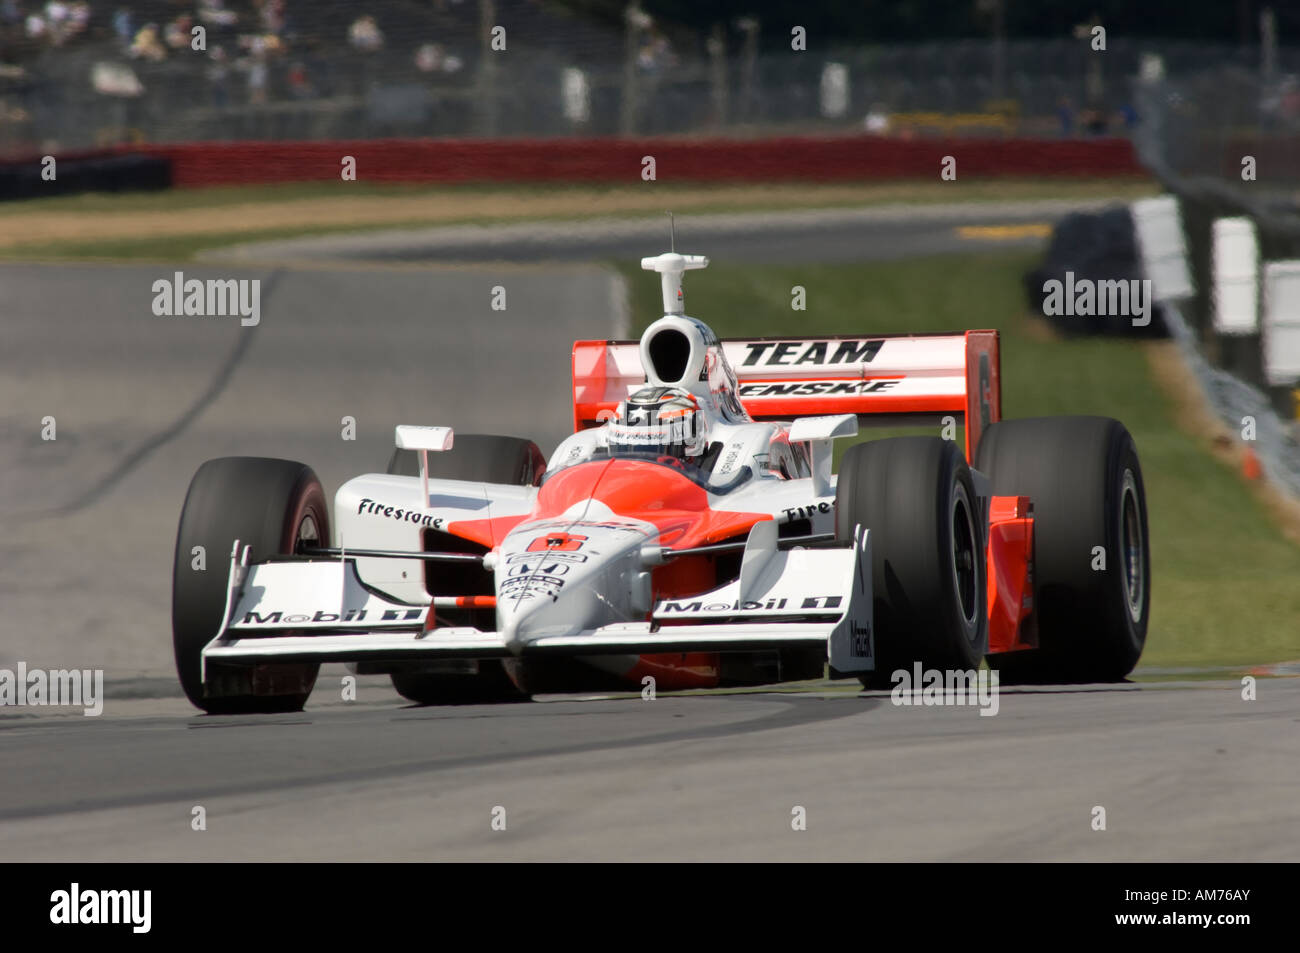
(620, 160)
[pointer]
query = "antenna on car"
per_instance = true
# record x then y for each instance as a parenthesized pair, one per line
(670, 266)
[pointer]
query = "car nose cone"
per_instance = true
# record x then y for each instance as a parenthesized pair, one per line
(554, 582)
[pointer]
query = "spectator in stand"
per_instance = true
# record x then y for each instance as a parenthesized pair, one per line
(656, 53)
(177, 33)
(257, 80)
(1289, 101)
(57, 15)
(365, 35)
(299, 85)
(79, 18)
(272, 16)
(432, 58)
(214, 13)
(35, 26)
(57, 23)
(147, 45)
(1065, 115)
(122, 26)
(428, 58)
(218, 72)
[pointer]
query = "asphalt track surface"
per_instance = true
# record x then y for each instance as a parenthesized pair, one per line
(1184, 773)
(1191, 773)
(880, 233)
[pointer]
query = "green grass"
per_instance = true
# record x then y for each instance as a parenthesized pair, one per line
(1225, 582)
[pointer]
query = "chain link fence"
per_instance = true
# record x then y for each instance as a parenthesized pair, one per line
(289, 70)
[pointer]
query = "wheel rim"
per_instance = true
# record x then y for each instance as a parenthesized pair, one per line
(307, 534)
(965, 570)
(1133, 545)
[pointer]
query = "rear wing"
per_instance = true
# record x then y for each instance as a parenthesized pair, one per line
(923, 375)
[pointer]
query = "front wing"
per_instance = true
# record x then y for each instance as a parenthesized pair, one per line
(318, 610)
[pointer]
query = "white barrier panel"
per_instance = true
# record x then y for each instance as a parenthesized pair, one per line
(575, 95)
(1158, 227)
(834, 92)
(1235, 268)
(1282, 322)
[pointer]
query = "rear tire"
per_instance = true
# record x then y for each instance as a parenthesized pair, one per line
(1084, 480)
(916, 497)
(482, 458)
(269, 505)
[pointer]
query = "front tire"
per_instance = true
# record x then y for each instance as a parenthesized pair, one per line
(1092, 564)
(915, 496)
(272, 506)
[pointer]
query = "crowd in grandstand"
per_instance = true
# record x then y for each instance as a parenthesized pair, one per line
(81, 69)
(263, 46)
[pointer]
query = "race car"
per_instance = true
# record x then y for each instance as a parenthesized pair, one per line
(690, 533)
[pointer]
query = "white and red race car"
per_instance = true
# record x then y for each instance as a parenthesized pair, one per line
(690, 530)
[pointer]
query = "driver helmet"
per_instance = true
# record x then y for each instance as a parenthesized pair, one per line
(658, 419)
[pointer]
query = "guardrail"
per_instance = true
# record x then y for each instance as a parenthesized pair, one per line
(847, 158)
